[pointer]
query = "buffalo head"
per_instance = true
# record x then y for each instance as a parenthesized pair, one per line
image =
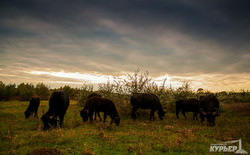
(210, 116)
(117, 120)
(46, 121)
(161, 114)
(27, 114)
(49, 121)
(84, 115)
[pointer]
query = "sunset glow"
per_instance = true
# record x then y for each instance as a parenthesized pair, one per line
(83, 77)
(210, 82)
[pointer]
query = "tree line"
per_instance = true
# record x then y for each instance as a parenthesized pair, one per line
(24, 91)
(119, 90)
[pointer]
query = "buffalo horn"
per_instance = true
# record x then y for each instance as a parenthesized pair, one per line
(214, 113)
(51, 117)
(202, 112)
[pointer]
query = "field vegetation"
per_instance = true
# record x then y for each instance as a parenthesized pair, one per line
(21, 136)
(183, 136)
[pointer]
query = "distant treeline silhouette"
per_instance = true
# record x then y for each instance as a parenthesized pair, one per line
(119, 91)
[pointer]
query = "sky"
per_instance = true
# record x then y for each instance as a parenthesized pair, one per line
(62, 42)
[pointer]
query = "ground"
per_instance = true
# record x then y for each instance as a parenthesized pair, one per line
(185, 136)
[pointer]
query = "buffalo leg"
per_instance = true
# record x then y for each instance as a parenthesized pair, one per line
(152, 114)
(112, 119)
(133, 112)
(95, 116)
(36, 114)
(202, 117)
(54, 121)
(111, 122)
(177, 113)
(104, 117)
(183, 112)
(195, 116)
(91, 116)
(98, 114)
(61, 120)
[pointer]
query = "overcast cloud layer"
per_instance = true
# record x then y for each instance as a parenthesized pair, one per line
(205, 42)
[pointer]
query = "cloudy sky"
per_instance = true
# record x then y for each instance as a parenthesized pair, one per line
(81, 41)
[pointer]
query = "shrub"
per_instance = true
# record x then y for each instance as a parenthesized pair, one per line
(7, 92)
(10, 91)
(232, 96)
(85, 90)
(25, 91)
(42, 91)
(2, 91)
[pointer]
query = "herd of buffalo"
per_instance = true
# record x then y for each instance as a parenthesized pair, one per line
(207, 107)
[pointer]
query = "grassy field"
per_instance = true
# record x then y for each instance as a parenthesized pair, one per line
(21, 136)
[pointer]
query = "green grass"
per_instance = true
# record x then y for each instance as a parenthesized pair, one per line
(173, 136)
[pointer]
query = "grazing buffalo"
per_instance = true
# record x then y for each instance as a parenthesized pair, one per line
(33, 107)
(146, 101)
(92, 95)
(209, 107)
(98, 104)
(187, 105)
(58, 104)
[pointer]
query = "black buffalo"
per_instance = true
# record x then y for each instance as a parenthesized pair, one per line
(33, 107)
(209, 107)
(187, 105)
(146, 101)
(58, 104)
(98, 95)
(98, 104)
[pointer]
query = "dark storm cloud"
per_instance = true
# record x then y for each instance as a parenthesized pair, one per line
(216, 19)
(107, 37)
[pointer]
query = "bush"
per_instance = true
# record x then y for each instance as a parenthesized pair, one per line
(137, 83)
(2, 91)
(7, 92)
(42, 91)
(84, 93)
(25, 91)
(232, 96)
(10, 91)
(72, 92)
